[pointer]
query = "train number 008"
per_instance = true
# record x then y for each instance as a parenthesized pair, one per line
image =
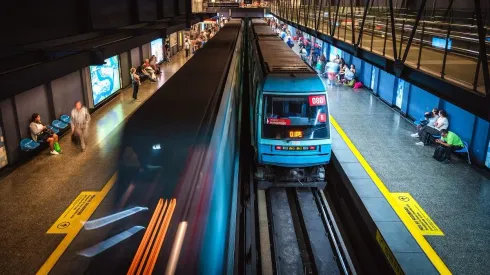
(316, 100)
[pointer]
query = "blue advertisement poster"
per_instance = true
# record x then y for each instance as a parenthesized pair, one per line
(441, 43)
(105, 79)
(334, 51)
(157, 49)
(487, 162)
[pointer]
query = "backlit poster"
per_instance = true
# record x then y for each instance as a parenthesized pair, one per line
(173, 39)
(399, 93)
(441, 43)
(334, 52)
(373, 78)
(105, 79)
(156, 47)
(487, 162)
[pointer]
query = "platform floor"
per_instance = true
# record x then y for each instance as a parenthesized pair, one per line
(39, 191)
(454, 195)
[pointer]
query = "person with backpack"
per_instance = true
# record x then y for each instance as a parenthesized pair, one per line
(448, 143)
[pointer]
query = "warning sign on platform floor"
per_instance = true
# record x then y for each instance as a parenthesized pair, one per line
(422, 221)
(75, 215)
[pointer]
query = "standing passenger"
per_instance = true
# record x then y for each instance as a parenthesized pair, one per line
(135, 79)
(80, 119)
(187, 47)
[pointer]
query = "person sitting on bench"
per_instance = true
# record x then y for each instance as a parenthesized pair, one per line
(449, 142)
(425, 133)
(40, 133)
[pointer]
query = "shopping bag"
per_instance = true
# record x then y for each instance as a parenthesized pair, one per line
(57, 147)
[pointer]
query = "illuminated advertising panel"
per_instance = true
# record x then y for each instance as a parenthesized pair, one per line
(156, 47)
(105, 79)
(441, 43)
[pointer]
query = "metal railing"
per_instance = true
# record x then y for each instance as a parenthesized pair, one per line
(453, 45)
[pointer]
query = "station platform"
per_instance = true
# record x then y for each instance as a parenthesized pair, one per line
(38, 192)
(453, 196)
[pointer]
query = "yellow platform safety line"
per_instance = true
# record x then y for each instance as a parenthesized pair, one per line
(71, 221)
(417, 235)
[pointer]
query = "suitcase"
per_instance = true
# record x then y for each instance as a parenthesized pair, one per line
(439, 153)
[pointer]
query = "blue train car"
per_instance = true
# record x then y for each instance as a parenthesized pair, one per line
(289, 112)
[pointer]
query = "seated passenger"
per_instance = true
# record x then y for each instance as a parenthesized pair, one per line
(154, 65)
(448, 143)
(341, 73)
(142, 73)
(149, 70)
(430, 119)
(350, 76)
(425, 133)
(40, 133)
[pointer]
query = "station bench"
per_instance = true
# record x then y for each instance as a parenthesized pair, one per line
(58, 127)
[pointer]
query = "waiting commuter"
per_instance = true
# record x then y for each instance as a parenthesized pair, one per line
(41, 133)
(430, 119)
(341, 75)
(448, 143)
(135, 80)
(187, 47)
(80, 120)
(350, 76)
(333, 69)
(425, 133)
(154, 65)
(149, 70)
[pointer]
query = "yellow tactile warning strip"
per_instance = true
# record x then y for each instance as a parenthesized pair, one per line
(402, 214)
(417, 214)
(71, 221)
(146, 256)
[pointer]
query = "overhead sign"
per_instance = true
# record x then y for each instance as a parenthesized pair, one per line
(423, 222)
(279, 121)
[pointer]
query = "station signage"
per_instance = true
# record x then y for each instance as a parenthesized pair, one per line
(278, 121)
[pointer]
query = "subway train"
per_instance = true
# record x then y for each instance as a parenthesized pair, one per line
(289, 115)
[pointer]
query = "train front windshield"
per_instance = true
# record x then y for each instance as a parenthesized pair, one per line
(295, 117)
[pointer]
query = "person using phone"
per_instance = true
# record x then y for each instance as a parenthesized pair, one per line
(41, 133)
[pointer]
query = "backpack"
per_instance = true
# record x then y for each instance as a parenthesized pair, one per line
(439, 153)
(358, 85)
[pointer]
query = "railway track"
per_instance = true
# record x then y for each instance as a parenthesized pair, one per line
(302, 236)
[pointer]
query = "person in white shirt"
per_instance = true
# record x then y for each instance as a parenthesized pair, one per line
(187, 47)
(427, 131)
(40, 133)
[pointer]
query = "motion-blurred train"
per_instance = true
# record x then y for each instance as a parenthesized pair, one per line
(289, 112)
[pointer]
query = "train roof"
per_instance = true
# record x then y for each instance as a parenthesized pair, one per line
(264, 31)
(278, 58)
(259, 21)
